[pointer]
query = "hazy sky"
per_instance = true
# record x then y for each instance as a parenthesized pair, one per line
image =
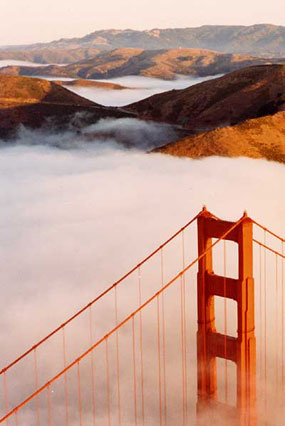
(34, 20)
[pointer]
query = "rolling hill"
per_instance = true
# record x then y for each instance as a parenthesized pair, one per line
(49, 56)
(37, 103)
(248, 93)
(92, 84)
(166, 64)
(23, 90)
(240, 114)
(261, 40)
(257, 138)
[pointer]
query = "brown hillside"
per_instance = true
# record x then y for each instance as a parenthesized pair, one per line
(23, 90)
(92, 84)
(165, 63)
(247, 93)
(261, 40)
(49, 55)
(37, 103)
(257, 138)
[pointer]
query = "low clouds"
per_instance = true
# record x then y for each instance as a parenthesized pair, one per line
(124, 133)
(140, 88)
(76, 213)
(73, 221)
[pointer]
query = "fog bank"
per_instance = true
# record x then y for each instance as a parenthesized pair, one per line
(97, 206)
(75, 219)
(140, 88)
(123, 133)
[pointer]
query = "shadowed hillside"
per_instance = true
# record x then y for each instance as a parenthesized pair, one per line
(249, 93)
(166, 64)
(37, 103)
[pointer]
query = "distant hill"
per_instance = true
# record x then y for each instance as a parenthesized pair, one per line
(37, 103)
(22, 90)
(49, 56)
(248, 93)
(164, 64)
(91, 83)
(260, 40)
(257, 138)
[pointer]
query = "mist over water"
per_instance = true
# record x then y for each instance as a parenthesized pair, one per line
(108, 133)
(73, 218)
(78, 211)
(15, 62)
(8, 62)
(137, 88)
(73, 221)
(140, 88)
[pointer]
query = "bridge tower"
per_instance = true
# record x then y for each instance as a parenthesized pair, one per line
(210, 344)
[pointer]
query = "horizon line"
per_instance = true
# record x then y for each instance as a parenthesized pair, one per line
(4, 46)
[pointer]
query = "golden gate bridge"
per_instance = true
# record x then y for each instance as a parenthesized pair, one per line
(192, 335)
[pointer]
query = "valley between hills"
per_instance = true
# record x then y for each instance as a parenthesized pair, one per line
(41, 104)
(164, 64)
(240, 113)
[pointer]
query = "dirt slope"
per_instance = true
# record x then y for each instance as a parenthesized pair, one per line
(248, 93)
(22, 90)
(164, 64)
(257, 138)
(37, 103)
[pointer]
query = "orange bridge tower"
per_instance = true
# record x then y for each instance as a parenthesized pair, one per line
(210, 344)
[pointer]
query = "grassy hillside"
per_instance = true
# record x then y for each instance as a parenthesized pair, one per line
(257, 138)
(164, 63)
(247, 93)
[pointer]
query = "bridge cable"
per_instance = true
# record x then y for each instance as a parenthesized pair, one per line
(92, 367)
(225, 324)
(163, 338)
(141, 346)
(65, 378)
(117, 358)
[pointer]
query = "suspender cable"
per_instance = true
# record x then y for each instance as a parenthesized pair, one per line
(36, 386)
(265, 318)
(182, 350)
(282, 323)
(134, 371)
(113, 331)
(276, 322)
(184, 328)
(141, 347)
(6, 396)
(225, 325)
(92, 367)
(65, 378)
(260, 310)
(108, 382)
(49, 406)
(79, 393)
(118, 359)
(163, 339)
(100, 296)
(159, 362)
